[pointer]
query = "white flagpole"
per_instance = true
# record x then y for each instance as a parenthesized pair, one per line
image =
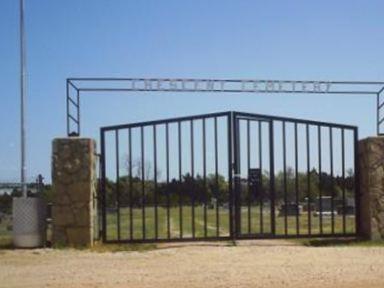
(23, 101)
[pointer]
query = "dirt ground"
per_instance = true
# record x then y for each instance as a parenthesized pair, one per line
(249, 264)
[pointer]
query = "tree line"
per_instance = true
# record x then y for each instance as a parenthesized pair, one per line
(6, 198)
(211, 189)
(215, 188)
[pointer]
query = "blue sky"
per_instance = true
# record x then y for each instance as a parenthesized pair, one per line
(324, 40)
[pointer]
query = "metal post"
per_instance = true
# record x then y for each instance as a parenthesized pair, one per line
(230, 173)
(378, 114)
(78, 111)
(103, 186)
(272, 192)
(23, 101)
(237, 177)
(67, 103)
(357, 181)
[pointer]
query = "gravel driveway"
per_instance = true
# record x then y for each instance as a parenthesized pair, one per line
(250, 264)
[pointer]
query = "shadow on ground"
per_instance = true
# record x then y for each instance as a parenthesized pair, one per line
(334, 242)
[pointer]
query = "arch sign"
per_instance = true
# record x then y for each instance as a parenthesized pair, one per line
(78, 86)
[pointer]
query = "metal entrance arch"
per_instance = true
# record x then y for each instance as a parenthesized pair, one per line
(228, 176)
(76, 87)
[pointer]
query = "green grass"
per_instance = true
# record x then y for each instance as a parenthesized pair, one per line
(5, 242)
(174, 223)
(5, 235)
(252, 227)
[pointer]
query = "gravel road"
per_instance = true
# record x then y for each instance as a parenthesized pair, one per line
(250, 264)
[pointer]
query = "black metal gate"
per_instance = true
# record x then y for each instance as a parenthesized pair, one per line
(228, 176)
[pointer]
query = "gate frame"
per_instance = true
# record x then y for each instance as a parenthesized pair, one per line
(104, 129)
(235, 117)
(233, 168)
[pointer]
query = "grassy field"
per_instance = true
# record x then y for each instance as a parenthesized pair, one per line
(212, 231)
(5, 234)
(253, 227)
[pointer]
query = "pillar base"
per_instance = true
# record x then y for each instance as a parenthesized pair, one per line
(371, 165)
(74, 184)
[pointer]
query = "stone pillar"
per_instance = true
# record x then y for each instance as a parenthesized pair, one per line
(74, 184)
(371, 165)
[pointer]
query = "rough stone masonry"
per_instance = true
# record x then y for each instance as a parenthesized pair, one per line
(371, 165)
(74, 184)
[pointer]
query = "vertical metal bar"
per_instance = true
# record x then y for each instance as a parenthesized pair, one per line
(67, 100)
(343, 177)
(180, 180)
(261, 191)
(237, 171)
(167, 173)
(357, 181)
(155, 180)
(130, 185)
(78, 111)
(332, 180)
(297, 182)
(103, 186)
(272, 176)
(320, 181)
(193, 177)
(285, 180)
(217, 180)
(378, 113)
(248, 183)
(308, 180)
(117, 183)
(230, 173)
(205, 180)
(143, 181)
(99, 200)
